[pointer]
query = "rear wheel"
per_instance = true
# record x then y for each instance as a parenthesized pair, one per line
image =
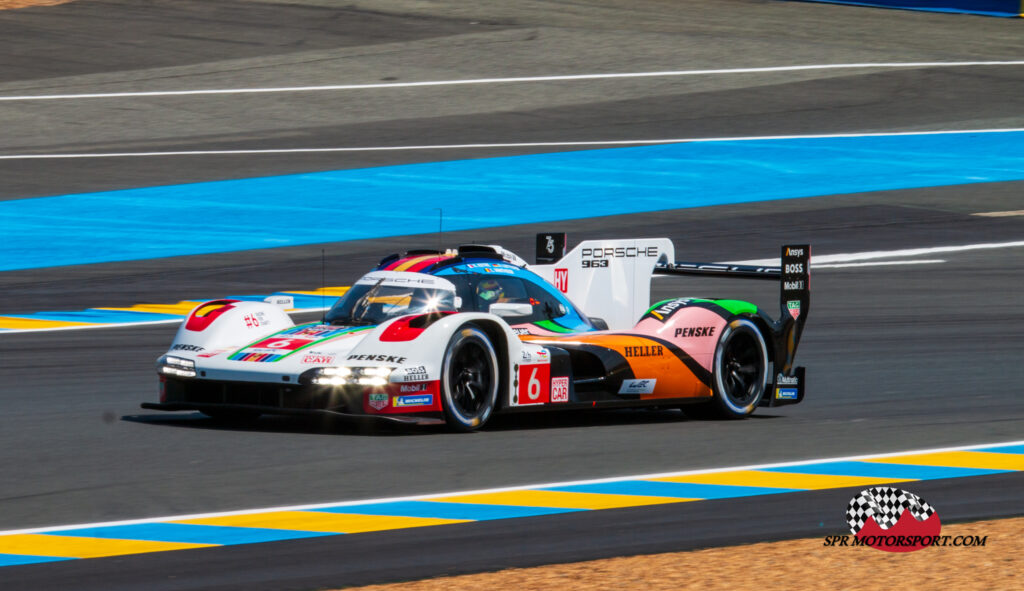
(469, 379)
(740, 373)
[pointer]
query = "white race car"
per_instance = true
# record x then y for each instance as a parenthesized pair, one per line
(431, 337)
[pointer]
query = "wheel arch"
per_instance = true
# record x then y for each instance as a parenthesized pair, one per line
(496, 333)
(764, 327)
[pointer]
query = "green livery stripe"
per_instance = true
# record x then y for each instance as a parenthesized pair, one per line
(552, 326)
(733, 306)
(736, 306)
(658, 304)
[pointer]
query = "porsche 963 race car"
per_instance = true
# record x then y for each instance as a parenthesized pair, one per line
(454, 337)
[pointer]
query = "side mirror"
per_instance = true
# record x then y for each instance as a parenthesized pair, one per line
(509, 310)
(283, 301)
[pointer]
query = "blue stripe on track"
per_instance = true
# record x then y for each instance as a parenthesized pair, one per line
(442, 510)
(874, 470)
(16, 559)
(671, 489)
(341, 205)
(190, 534)
(1000, 8)
(1006, 449)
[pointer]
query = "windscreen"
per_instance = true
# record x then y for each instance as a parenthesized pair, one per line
(369, 304)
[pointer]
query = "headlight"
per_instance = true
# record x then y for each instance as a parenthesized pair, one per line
(348, 376)
(169, 365)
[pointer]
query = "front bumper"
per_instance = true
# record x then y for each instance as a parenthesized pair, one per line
(277, 410)
(279, 399)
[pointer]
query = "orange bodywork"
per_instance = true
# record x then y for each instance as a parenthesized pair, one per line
(648, 358)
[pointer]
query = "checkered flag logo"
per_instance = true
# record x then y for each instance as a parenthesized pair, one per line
(886, 505)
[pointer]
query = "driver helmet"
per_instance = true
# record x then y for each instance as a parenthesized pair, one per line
(490, 290)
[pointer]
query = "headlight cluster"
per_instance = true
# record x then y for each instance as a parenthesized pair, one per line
(169, 365)
(352, 376)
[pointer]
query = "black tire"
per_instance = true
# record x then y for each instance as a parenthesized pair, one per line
(469, 379)
(740, 373)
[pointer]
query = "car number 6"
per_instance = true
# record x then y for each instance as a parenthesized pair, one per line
(533, 388)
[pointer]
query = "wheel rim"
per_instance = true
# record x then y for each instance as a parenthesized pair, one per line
(470, 377)
(742, 369)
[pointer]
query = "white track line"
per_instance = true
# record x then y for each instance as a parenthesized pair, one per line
(748, 138)
(517, 79)
(40, 530)
(878, 264)
(885, 254)
(844, 265)
(1000, 214)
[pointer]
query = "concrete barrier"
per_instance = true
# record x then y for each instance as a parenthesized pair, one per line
(1005, 8)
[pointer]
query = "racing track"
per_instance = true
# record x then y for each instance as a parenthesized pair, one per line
(899, 357)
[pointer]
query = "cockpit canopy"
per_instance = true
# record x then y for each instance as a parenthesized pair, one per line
(383, 295)
(519, 296)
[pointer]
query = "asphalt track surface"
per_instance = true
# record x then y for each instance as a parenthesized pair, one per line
(898, 358)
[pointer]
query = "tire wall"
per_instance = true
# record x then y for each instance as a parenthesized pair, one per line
(1004, 8)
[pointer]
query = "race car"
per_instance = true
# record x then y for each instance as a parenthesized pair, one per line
(453, 337)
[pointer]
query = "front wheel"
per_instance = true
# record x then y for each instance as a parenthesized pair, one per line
(740, 372)
(469, 379)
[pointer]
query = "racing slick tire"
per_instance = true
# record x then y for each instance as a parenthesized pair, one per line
(739, 375)
(469, 379)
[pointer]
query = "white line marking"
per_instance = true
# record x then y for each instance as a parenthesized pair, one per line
(878, 264)
(511, 80)
(847, 265)
(498, 145)
(885, 254)
(1000, 214)
(39, 530)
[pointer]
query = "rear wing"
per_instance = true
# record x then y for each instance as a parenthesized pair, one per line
(793, 275)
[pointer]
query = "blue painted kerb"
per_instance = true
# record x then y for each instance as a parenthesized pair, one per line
(1004, 8)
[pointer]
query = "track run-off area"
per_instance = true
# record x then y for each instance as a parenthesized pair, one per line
(194, 155)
